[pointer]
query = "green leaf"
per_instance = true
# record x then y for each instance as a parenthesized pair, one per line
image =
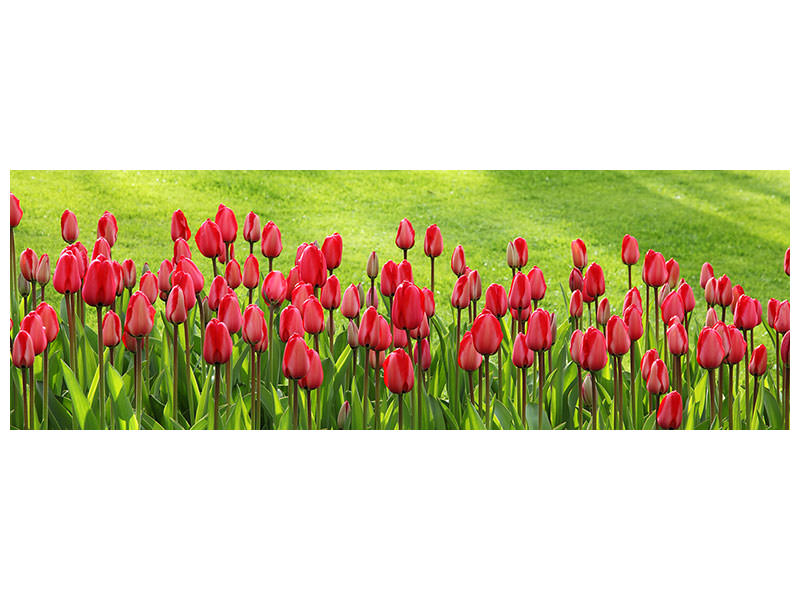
(85, 419)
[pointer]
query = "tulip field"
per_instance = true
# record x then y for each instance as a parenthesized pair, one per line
(237, 325)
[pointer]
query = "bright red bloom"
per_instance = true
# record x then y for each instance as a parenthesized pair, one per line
(16, 211)
(313, 317)
(187, 266)
(594, 284)
(253, 325)
(398, 372)
(673, 273)
(100, 283)
(654, 269)
(519, 296)
(175, 310)
(630, 250)
(180, 226)
(496, 300)
(672, 307)
(69, 226)
(314, 376)
(140, 317)
(226, 221)
(786, 262)
(32, 323)
(457, 262)
(593, 350)
(368, 331)
(112, 329)
(522, 356)
(291, 323)
(22, 354)
(404, 272)
(670, 411)
(49, 320)
(633, 320)
(619, 341)
(101, 248)
(738, 346)
(646, 363)
(575, 280)
(313, 269)
(332, 251)
(747, 314)
(274, 288)
(538, 335)
(658, 379)
(424, 347)
(487, 333)
(389, 280)
(578, 253)
(434, 245)
(209, 240)
(405, 235)
(271, 245)
(301, 293)
(399, 337)
(706, 273)
(183, 280)
(217, 345)
(28, 261)
(233, 274)
(603, 311)
(67, 276)
(758, 362)
(538, 285)
(724, 335)
(576, 346)
(710, 351)
(219, 288)
(711, 292)
(724, 291)
(687, 296)
(128, 273)
(785, 348)
(250, 275)
(351, 303)
(428, 302)
(230, 313)
(148, 284)
(295, 363)
(164, 277)
(474, 281)
(677, 340)
(469, 358)
(422, 331)
(107, 228)
(251, 230)
(407, 308)
(576, 304)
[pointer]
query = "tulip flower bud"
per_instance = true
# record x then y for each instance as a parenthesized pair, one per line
(352, 334)
(226, 221)
(271, 245)
(252, 322)
(175, 310)
(522, 356)
(22, 354)
(332, 251)
(538, 285)
(587, 390)
(687, 296)
(33, 324)
(575, 343)
(633, 320)
(710, 351)
(28, 262)
(658, 379)
(519, 296)
(458, 263)
(372, 265)
(207, 313)
(670, 411)
(748, 313)
(16, 211)
(69, 227)
(301, 293)
(100, 283)
(738, 346)
(112, 329)
(219, 287)
(343, 418)
(603, 311)
(619, 341)
(314, 376)
(711, 294)
(313, 317)
(594, 284)
(724, 335)
(434, 245)
(67, 276)
(295, 362)
(217, 344)
(724, 291)
(404, 272)
(521, 246)
(251, 230)
(706, 273)
(250, 274)
(632, 298)
(663, 292)
(677, 340)
(673, 273)
(233, 274)
(405, 235)
(758, 362)
(672, 306)
(107, 228)
(782, 317)
(230, 313)
(331, 295)
(474, 280)
(423, 347)
(711, 317)
(512, 256)
(290, 323)
(389, 279)
(179, 228)
(646, 364)
(578, 253)
(575, 280)
(408, 309)
(139, 318)
(630, 250)
(654, 269)
(398, 372)
(23, 286)
(538, 336)
(496, 300)
(469, 359)
(128, 273)
(372, 298)
(361, 295)
(784, 343)
(786, 262)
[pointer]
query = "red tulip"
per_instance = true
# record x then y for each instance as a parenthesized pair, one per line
(175, 310)
(496, 300)
(148, 284)
(434, 245)
(312, 266)
(587, 298)
(107, 228)
(677, 340)
(128, 273)
(399, 337)
(658, 379)
(332, 251)
(209, 240)
(422, 331)
(710, 351)
(139, 318)
(747, 314)
(724, 335)
(425, 361)
(372, 298)
(389, 280)
(576, 304)
(405, 235)
(711, 292)
(594, 284)
(538, 335)
(407, 309)
(575, 346)
(274, 288)
(654, 269)
(630, 250)
(428, 302)
(522, 356)
(724, 291)
(22, 354)
(295, 358)
(230, 313)
(474, 281)
(43, 270)
(180, 227)
(785, 347)
(271, 245)
(738, 346)
(738, 292)
(49, 320)
(673, 273)
(593, 350)
(226, 221)
(772, 310)
(782, 317)
(487, 334)
(578, 253)
(28, 261)
(520, 295)
(314, 375)
(670, 411)
(575, 280)
(687, 296)
(100, 284)
(646, 363)
(672, 306)
(251, 230)
(217, 344)
(372, 265)
(404, 272)
(331, 295)
(398, 372)
(187, 266)
(291, 323)
(706, 273)
(219, 288)
(538, 285)
(301, 293)
(786, 262)
(633, 320)
(460, 297)
(32, 323)
(368, 331)
(253, 325)
(351, 303)
(180, 249)
(16, 211)
(183, 280)
(603, 311)
(619, 341)
(469, 358)
(250, 275)
(313, 317)
(758, 362)
(233, 274)
(457, 262)
(69, 226)
(67, 277)
(164, 276)
(112, 329)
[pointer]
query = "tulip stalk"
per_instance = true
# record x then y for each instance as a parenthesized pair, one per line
(258, 390)
(594, 400)
(540, 354)
(188, 350)
(747, 384)
(253, 362)
(433, 289)
(523, 397)
(633, 381)
(377, 400)
(730, 396)
(786, 380)
(777, 365)
(364, 397)
(646, 316)
(488, 408)
(70, 302)
(712, 393)
(101, 381)
(217, 375)
(175, 372)
(137, 376)
(308, 409)
(32, 389)
(755, 395)
(294, 404)
(419, 385)
(45, 390)
(24, 372)
(580, 396)
(400, 411)
(13, 258)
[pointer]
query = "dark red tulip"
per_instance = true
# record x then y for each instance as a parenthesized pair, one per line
(658, 379)
(575, 279)
(786, 262)
(219, 288)
(313, 269)
(706, 273)
(710, 351)
(593, 350)
(271, 245)
(603, 311)
(112, 329)
(291, 323)
(314, 376)
(226, 221)
(633, 320)
(457, 262)
(630, 250)
(22, 354)
(434, 245)
(398, 372)
(331, 295)
(180, 227)
(538, 335)
(100, 283)
(43, 270)
(747, 314)
(687, 296)
(176, 310)
(251, 230)
(496, 300)
(576, 304)
(672, 306)
(67, 276)
(407, 309)
(16, 211)
(469, 358)
(148, 284)
(670, 411)
(332, 251)
(785, 347)
(654, 269)
(389, 279)
(250, 274)
(405, 235)
(578, 253)
(80, 253)
(351, 303)
(217, 344)
(487, 333)
(677, 340)
(187, 266)
(313, 317)
(139, 318)
(209, 240)
(230, 313)
(619, 341)
(49, 320)
(576, 346)
(253, 325)
(758, 362)
(594, 284)
(538, 285)
(32, 323)
(69, 226)
(107, 228)
(233, 274)
(274, 288)
(28, 261)
(673, 273)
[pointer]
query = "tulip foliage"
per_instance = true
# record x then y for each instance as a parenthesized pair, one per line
(257, 348)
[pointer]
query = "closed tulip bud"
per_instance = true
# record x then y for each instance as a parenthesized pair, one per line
(332, 251)
(128, 273)
(520, 295)
(139, 318)
(474, 280)
(164, 277)
(423, 347)
(663, 292)
(250, 274)
(496, 300)
(205, 311)
(539, 336)
(434, 245)
(180, 250)
(724, 291)
(587, 298)
(405, 235)
(253, 329)
(351, 305)
(43, 270)
(711, 317)
(209, 240)
(512, 256)
(112, 329)
(724, 335)
(271, 245)
(180, 227)
(291, 323)
(576, 304)
(487, 334)
(119, 276)
(677, 340)
(782, 317)
(67, 277)
(646, 364)
(16, 211)
(710, 351)
(458, 264)
(578, 253)
(49, 320)
(594, 284)
(658, 380)
(148, 285)
(100, 283)
(28, 261)
(428, 302)
(469, 358)
(603, 311)
(593, 350)
(711, 293)
(404, 272)
(352, 334)
(670, 411)
(407, 309)
(786, 262)
(630, 250)
(521, 246)
(69, 227)
(575, 343)
(784, 347)
(772, 310)
(706, 273)
(389, 278)
(233, 274)
(183, 280)
(22, 354)
(274, 288)
(758, 362)
(314, 376)
(687, 296)
(398, 372)
(633, 320)
(107, 228)
(33, 324)
(313, 317)
(217, 344)
(372, 298)
(187, 266)
(301, 293)
(673, 273)
(296, 362)
(575, 280)
(373, 266)
(587, 390)
(422, 331)
(738, 346)
(538, 285)
(226, 221)
(654, 269)
(747, 314)
(399, 337)
(343, 418)
(738, 292)
(619, 342)
(176, 310)
(219, 288)
(460, 297)
(251, 230)
(672, 306)
(230, 313)
(131, 343)
(331, 295)
(312, 267)
(632, 298)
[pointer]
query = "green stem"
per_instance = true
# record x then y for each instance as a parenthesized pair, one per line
(45, 390)
(488, 411)
(175, 354)
(101, 381)
(217, 375)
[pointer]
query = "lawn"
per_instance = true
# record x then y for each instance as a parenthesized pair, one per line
(738, 221)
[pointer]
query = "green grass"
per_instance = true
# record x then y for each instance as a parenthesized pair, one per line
(738, 221)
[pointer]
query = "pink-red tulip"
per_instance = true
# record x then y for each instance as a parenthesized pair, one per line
(687, 296)
(176, 310)
(654, 269)
(538, 285)
(250, 274)
(630, 250)
(496, 300)
(594, 284)
(619, 341)
(575, 280)
(67, 276)
(646, 363)
(673, 273)
(233, 274)
(405, 235)
(407, 309)
(672, 306)
(738, 346)
(785, 349)
(469, 358)
(593, 350)
(140, 317)
(100, 283)
(49, 320)
(538, 336)
(389, 279)
(351, 304)
(217, 344)
(314, 375)
(487, 334)
(457, 262)
(251, 230)
(313, 317)
(16, 211)
(219, 288)
(274, 288)
(706, 273)
(107, 228)
(291, 323)
(112, 329)
(578, 253)
(32, 323)
(313, 269)
(331, 295)
(398, 372)
(22, 354)
(758, 362)
(332, 251)
(28, 261)
(747, 314)
(522, 356)
(43, 270)
(404, 272)
(434, 245)
(710, 351)
(209, 240)
(575, 346)
(271, 245)
(475, 286)
(69, 226)
(603, 311)
(670, 411)
(226, 221)
(677, 339)
(633, 320)
(180, 226)
(786, 262)
(658, 378)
